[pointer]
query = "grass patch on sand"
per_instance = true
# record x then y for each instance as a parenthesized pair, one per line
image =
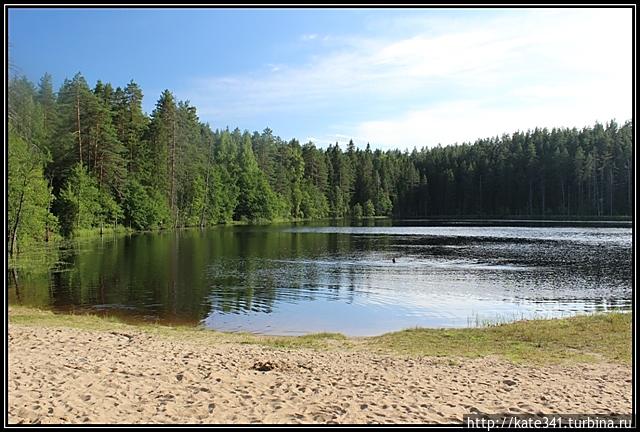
(587, 338)
(43, 318)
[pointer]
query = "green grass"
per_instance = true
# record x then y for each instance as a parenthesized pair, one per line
(43, 318)
(96, 232)
(41, 257)
(587, 338)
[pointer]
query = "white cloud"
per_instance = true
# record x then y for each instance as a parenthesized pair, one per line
(454, 81)
(570, 72)
(466, 121)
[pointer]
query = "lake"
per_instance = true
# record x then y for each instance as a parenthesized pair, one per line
(291, 279)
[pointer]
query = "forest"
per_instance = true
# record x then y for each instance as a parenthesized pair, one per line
(83, 159)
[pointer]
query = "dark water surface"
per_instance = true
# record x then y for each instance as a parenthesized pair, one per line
(302, 278)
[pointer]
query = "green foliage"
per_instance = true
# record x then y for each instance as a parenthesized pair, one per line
(226, 194)
(294, 170)
(28, 192)
(357, 213)
(540, 172)
(369, 209)
(144, 208)
(384, 205)
(341, 181)
(26, 116)
(28, 197)
(256, 200)
(194, 201)
(281, 207)
(136, 206)
(105, 160)
(314, 204)
(111, 210)
(80, 201)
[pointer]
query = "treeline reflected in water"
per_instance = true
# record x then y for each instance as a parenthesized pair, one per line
(251, 277)
(179, 277)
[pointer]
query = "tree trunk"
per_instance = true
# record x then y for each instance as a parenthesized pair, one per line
(78, 118)
(543, 197)
(611, 192)
(629, 197)
(595, 193)
(530, 197)
(130, 161)
(14, 238)
(173, 176)
(206, 190)
(95, 150)
(580, 196)
(14, 231)
(563, 197)
(90, 146)
(14, 276)
(602, 192)
(101, 173)
(480, 197)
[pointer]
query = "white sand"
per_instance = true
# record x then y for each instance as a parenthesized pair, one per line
(74, 376)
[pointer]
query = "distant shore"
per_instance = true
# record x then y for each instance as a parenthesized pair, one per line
(86, 369)
(564, 222)
(42, 255)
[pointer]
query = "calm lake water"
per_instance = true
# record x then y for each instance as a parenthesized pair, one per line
(302, 278)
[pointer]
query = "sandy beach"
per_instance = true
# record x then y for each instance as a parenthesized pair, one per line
(66, 375)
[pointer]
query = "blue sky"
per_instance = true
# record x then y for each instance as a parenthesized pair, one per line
(394, 78)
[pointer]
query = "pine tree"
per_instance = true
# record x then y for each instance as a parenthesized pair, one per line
(163, 146)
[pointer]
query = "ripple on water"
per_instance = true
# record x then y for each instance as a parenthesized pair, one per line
(305, 279)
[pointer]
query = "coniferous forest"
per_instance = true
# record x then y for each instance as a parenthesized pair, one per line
(86, 158)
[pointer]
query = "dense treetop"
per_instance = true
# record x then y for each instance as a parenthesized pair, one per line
(82, 158)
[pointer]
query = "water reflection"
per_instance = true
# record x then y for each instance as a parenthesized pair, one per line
(304, 278)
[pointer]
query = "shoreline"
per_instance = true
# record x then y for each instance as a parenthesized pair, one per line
(85, 369)
(560, 221)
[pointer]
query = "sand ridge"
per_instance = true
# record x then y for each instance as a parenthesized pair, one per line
(64, 375)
